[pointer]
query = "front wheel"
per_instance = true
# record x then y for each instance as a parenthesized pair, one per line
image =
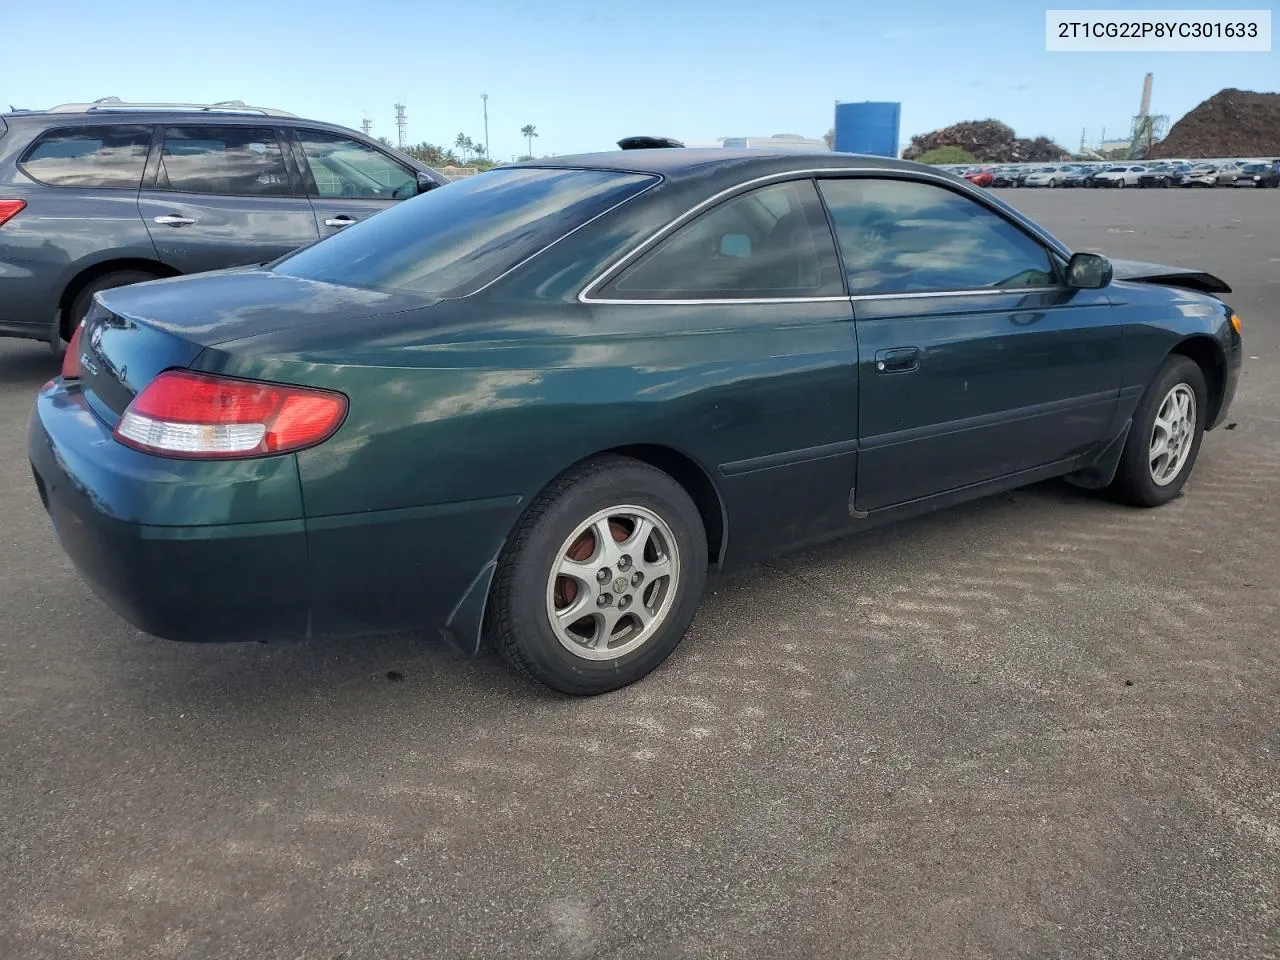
(1120, 184)
(600, 578)
(1164, 438)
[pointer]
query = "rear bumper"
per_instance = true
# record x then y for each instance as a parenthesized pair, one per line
(210, 581)
(222, 550)
(31, 331)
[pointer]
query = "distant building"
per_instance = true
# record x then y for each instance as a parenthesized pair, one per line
(869, 127)
(779, 141)
(1106, 146)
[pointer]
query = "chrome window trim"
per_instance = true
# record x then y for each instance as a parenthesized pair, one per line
(694, 302)
(972, 292)
(964, 187)
(853, 298)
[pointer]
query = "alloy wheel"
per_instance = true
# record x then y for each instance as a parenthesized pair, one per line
(1172, 434)
(613, 582)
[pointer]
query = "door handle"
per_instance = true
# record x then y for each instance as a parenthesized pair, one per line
(174, 220)
(341, 220)
(898, 360)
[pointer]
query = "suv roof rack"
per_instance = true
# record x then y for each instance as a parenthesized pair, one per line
(115, 104)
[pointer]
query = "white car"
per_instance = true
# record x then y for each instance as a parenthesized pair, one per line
(1119, 176)
(1047, 176)
(1199, 177)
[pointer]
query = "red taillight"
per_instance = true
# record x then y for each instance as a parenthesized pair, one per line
(71, 359)
(9, 209)
(183, 414)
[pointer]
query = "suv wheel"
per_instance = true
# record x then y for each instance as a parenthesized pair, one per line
(84, 299)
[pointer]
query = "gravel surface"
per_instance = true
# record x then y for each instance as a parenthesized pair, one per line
(1041, 725)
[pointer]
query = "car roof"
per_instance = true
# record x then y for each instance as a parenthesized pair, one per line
(676, 161)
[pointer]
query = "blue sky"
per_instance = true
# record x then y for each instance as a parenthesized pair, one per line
(588, 73)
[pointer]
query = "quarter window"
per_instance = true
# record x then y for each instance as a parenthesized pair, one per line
(771, 243)
(903, 236)
(232, 161)
(90, 157)
(345, 168)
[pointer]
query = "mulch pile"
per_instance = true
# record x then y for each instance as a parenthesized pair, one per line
(990, 141)
(1231, 123)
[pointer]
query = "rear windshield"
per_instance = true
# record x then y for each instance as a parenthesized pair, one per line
(106, 156)
(455, 239)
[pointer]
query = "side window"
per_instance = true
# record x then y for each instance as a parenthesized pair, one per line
(232, 161)
(903, 236)
(771, 243)
(89, 157)
(345, 168)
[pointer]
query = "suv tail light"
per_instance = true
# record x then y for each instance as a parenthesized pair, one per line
(9, 209)
(198, 416)
(71, 359)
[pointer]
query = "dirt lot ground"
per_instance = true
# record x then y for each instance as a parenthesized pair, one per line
(1036, 726)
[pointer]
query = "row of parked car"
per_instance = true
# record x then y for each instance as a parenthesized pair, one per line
(1168, 173)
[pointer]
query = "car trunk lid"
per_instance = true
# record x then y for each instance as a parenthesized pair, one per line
(132, 334)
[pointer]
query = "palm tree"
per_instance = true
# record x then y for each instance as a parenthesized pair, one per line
(461, 143)
(529, 131)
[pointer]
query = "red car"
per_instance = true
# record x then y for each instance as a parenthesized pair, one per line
(980, 178)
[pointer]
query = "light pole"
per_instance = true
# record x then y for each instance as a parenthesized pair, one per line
(484, 97)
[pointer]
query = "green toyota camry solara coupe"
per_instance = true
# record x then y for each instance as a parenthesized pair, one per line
(536, 405)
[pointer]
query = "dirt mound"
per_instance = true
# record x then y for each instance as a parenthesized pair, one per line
(990, 141)
(1231, 123)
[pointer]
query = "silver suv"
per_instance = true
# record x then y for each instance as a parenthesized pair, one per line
(99, 195)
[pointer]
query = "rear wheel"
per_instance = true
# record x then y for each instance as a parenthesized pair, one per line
(1165, 435)
(600, 579)
(83, 300)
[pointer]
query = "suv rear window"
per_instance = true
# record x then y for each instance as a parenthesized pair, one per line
(109, 156)
(455, 239)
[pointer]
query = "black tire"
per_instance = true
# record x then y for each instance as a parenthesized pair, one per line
(517, 618)
(84, 299)
(1134, 483)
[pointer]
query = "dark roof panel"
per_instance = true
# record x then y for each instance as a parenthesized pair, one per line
(675, 161)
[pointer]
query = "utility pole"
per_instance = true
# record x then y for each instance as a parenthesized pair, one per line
(366, 125)
(484, 98)
(401, 121)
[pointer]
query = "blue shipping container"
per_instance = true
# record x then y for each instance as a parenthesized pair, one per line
(868, 127)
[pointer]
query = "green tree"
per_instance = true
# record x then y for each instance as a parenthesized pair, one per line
(529, 131)
(947, 155)
(461, 143)
(385, 142)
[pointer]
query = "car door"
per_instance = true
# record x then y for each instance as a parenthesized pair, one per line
(741, 319)
(347, 180)
(974, 361)
(219, 196)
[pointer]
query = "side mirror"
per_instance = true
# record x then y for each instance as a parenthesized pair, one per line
(1088, 271)
(426, 182)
